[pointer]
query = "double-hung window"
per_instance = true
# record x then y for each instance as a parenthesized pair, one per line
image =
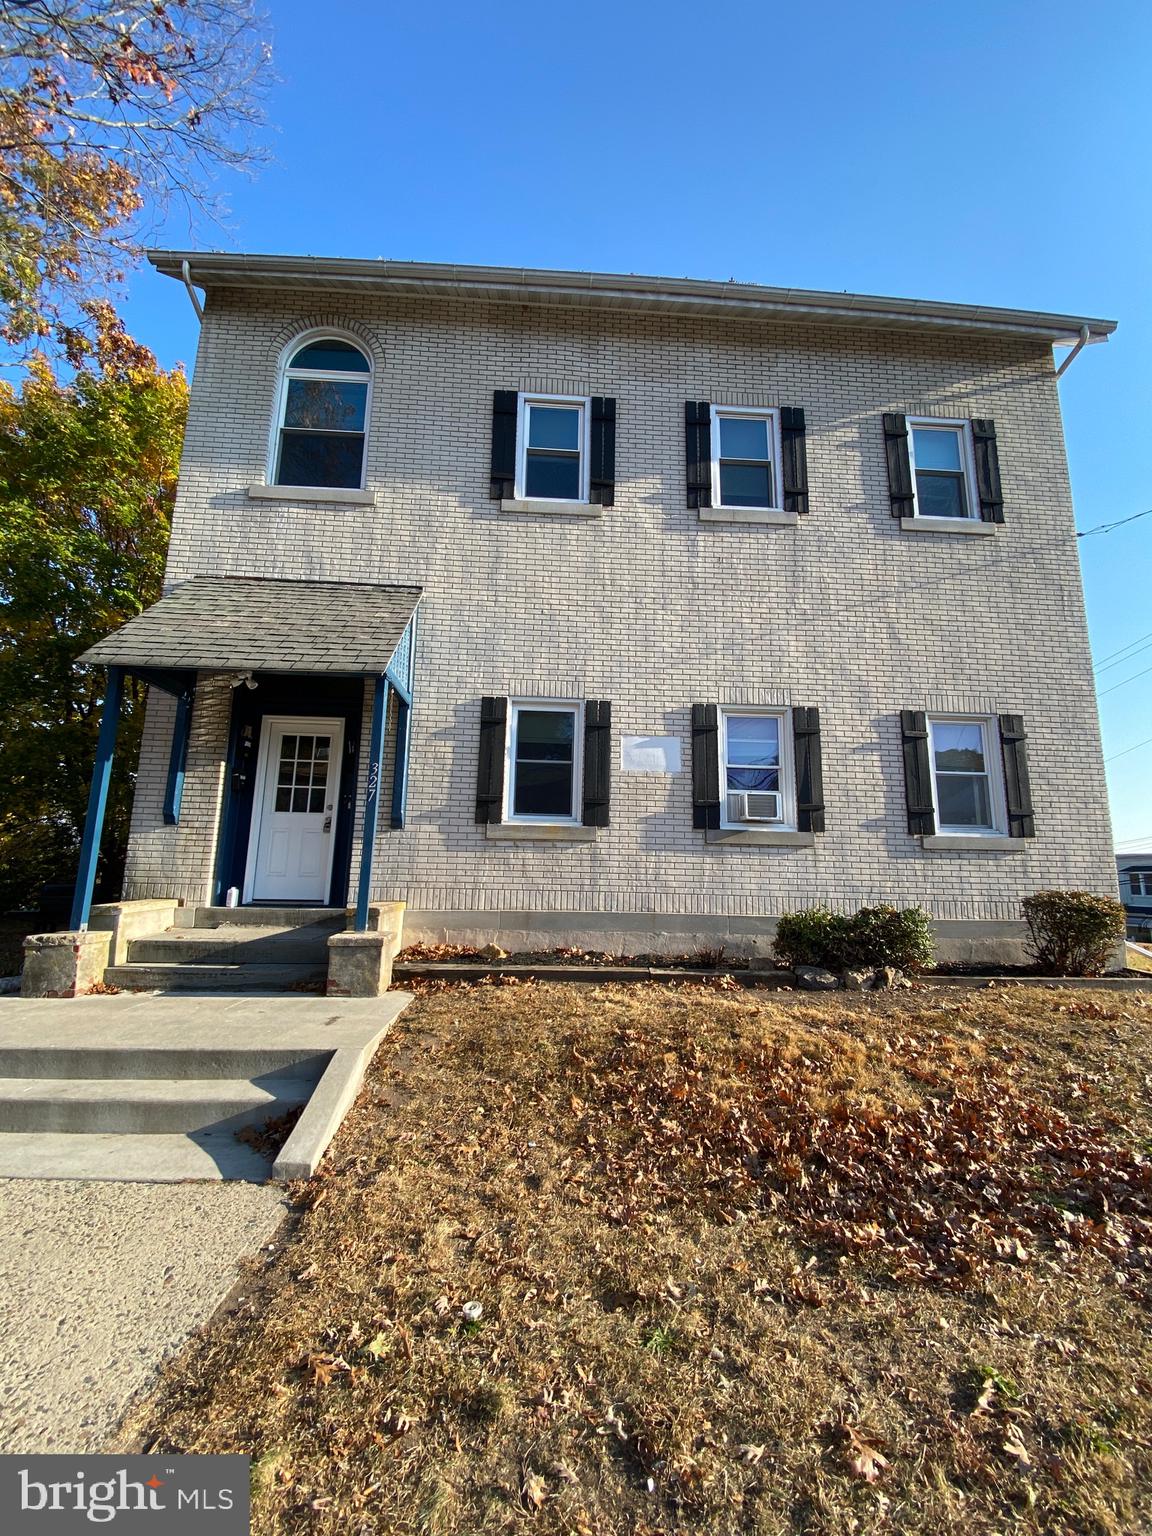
(322, 416)
(941, 462)
(755, 769)
(1140, 882)
(745, 458)
(542, 772)
(553, 442)
(966, 781)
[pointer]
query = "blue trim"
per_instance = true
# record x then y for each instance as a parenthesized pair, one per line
(97, 799)
(178, 757)
(371, 801)
(400, 764)
(166, 679)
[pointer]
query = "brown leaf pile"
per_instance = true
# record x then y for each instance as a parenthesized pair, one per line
(972, 1174)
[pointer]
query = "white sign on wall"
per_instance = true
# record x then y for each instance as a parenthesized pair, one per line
(649, 754)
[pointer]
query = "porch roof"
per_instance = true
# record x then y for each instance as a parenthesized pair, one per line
(256, 624)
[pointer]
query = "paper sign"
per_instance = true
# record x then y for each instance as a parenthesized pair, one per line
(650, 754)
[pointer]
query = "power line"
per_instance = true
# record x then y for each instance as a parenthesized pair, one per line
(1126, 681)
(1123, 648)
(1106, 666)
(1108, 527)
(1126, 750)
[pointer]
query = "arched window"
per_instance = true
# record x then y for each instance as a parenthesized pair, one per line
(323, 411)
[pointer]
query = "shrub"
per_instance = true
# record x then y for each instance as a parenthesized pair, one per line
(1073, 933)
(873, 936)
(814, 937)
(886, 936)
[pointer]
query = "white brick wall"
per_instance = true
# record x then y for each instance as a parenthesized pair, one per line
(654, 610)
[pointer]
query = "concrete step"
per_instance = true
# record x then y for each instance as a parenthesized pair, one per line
(245, 944)
(162, 1061)
(259, 917)
(168, 977)
(214, 1154)
(143, 1106)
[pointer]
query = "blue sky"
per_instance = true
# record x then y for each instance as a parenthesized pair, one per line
(994, 153)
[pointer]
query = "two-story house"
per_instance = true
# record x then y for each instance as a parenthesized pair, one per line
(1135, 874)
(627, 612)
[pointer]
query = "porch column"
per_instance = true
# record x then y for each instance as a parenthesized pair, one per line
(372, 801)
(97, 799)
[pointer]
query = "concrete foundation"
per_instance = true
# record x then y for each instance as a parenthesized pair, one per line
(64, 964)
(661, 933)
(360, 964)
(128, 920)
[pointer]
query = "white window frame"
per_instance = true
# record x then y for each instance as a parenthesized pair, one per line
(770, 414)
(1139, 884)
(572, 707)
(787, 822)
(523, 406)
(963, 429)
(993, 769)
(285, 374)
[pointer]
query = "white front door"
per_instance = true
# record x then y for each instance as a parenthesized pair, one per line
(294, 812)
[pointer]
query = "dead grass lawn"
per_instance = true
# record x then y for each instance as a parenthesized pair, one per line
(747, 1263)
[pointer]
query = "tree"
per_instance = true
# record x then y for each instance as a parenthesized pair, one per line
(107, 109)
(87, 480)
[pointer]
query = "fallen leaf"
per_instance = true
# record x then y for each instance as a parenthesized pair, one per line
(534, 1490)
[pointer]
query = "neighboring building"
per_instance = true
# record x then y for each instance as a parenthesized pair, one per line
(698, 602)
(1135, 873)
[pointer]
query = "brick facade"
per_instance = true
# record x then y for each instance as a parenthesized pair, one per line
(653, 609)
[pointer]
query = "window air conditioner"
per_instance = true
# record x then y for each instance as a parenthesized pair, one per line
(755, 805)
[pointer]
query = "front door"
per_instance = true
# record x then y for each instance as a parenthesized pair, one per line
(295, 809)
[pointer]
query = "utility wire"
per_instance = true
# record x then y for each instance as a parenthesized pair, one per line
(1106, 666)
(1126, 681)
(1123, 648)
(1136, 748)
(1108, 527)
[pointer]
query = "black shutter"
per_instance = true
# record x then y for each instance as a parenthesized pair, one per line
(505, 403)
(698, 439)
(809, 770)
(597, 761)
(602, 482)
(900, 488)
(1017, 787)
(705, 766)
(490, 768)
(917, 773)
(794, 459)
(988, 490)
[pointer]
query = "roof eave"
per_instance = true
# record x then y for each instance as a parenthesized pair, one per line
(601, 290)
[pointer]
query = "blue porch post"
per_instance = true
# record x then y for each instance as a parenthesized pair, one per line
(97, 799)
(178, 757)
(372, 801)
(400, 776)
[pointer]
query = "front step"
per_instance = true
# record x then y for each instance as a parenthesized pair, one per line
(144, 1106)
(173, 1062)
(259, 917)
(215, 978)
(247, 945)
(138, 1159)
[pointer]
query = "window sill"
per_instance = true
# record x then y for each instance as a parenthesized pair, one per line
(529, 832)
(554, 508)
(956, 843)
(311, 493)
(776, 519)
(948, 525)
(760, 839)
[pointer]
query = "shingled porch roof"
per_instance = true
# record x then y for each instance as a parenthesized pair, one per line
(256, 624)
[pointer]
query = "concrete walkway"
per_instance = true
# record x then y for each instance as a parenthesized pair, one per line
(101, 1282)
